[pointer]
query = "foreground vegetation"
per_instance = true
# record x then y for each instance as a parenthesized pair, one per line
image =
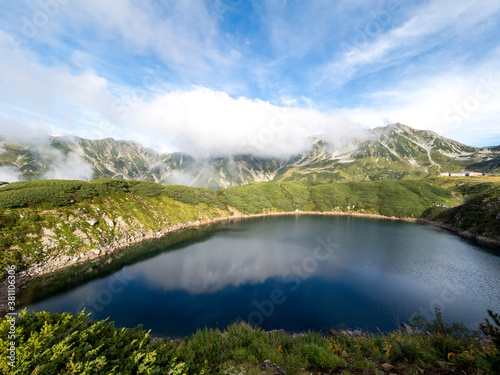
(44, 219)
(48, 343)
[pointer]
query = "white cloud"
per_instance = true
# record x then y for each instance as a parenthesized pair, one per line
(184, 34)
(434, 23)
(10, 174)
(68, 167)
(204, 121)
(191, 270)
(199, 121)
(460, 106)
(27, 82)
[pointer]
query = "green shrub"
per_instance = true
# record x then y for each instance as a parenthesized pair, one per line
(204, 350)
(192, 195)
(64, 344)
(494, 327)
(438, 326)
(320, 358)
(256, 198)
(254, 341)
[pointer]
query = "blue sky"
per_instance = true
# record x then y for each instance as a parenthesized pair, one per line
(216, 76)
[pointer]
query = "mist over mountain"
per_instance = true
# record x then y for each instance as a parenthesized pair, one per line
(391, 152)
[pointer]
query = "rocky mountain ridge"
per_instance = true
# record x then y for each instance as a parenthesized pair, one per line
(391, 152)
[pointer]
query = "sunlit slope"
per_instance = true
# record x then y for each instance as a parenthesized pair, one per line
(479, 208)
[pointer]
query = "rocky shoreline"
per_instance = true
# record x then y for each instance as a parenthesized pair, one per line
(54, 264)
(461, 232)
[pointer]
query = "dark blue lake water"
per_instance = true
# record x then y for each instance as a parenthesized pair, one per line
(290, 272)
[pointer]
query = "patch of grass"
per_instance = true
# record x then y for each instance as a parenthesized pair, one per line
(257, 198)
(389, 198)
(192, 195)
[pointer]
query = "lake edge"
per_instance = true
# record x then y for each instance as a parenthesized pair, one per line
(33, 273)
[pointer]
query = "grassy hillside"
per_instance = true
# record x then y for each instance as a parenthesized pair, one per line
(54, 218)
(390, 198)
(480, 209)
(40, 219)
(66, 344)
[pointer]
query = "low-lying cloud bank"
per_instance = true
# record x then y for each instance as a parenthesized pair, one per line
(53, 163)
(203, 122)
(10, 174)
(68, 167)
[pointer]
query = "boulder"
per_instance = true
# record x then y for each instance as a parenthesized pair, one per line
(387, 367)
(267, 364)
(405, 328)
(110, 223)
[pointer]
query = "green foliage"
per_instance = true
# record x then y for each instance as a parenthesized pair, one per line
(492, 360)
(480, 209)
(192, 195)
(66, 344)
(72, 344)
(257, 198)
(389, 198)
(320, 358)
(393, 198)
(247, 343)
(22, 194)
(203, 350)
(439, 327)
(494, 327)
(57, 193)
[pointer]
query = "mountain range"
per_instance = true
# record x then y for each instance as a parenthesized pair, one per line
(394, 151)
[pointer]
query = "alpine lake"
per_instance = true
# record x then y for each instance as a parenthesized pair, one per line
(295, 272)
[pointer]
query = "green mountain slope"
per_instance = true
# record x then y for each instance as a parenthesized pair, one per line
(393, 152)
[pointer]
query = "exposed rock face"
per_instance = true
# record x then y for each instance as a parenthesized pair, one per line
(82, 236)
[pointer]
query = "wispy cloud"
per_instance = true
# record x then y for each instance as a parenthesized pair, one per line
(429, 25)
(181, 32)
(459, 104)
(68, 167)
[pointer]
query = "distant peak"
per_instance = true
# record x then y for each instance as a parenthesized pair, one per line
(398, 125)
